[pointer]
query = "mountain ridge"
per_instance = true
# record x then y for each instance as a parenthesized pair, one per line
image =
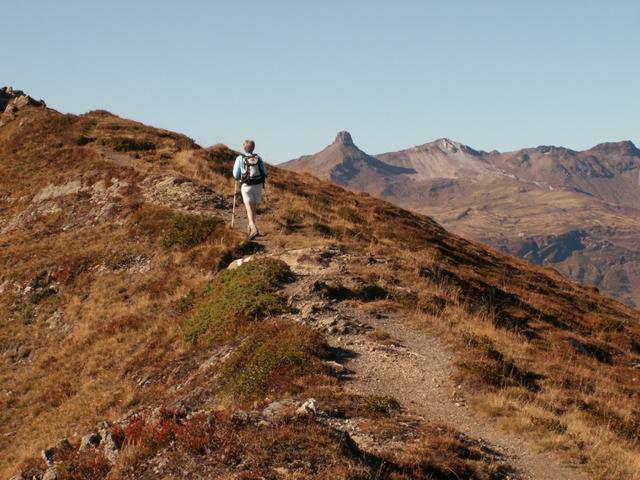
(374, 343)
(476, 193)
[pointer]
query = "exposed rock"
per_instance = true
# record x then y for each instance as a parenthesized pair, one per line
(338, 325)
(241, 261)
(556, 198)
(553, 248)
(12, 100)
(308, 408)
(182, 194)
(40, 287)
(47, 455)
(110, 444)
(50, 474)
(242, 417)
(335, 367)
(56, 322)
(103, 427)
(10, 96)
(91, 440)
(99, 200)
(278, 409)
(344, 138)
(111, 447)
(63, 444)
(54, 191)
(348, 444)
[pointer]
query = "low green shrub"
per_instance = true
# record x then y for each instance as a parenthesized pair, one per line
(84, 140)
(273, 354)
(188, 230)
(126, 144)
(236, 297)
(379, 405)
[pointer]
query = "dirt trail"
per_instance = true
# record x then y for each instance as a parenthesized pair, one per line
(419, 375)
(416, 369)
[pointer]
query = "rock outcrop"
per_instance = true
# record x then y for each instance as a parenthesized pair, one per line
(12, 100)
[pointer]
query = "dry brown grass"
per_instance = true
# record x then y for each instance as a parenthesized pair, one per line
(121, 321)
(213, 444)
(509, 321)
(540, 388)
(511, 324)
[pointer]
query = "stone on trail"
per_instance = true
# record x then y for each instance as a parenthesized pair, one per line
(241, 261)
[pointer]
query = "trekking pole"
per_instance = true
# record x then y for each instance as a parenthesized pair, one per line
(235, 194)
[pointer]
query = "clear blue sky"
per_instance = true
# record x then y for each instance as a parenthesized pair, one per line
(290, 74)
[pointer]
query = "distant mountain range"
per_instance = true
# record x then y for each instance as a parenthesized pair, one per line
(578, 211)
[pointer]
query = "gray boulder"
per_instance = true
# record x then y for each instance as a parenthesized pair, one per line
(279, 409)
(111, 447)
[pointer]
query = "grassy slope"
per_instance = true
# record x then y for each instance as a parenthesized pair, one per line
(123, 268)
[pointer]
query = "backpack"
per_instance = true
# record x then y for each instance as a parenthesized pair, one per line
(252, 172)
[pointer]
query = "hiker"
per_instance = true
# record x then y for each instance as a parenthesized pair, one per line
(251, 171)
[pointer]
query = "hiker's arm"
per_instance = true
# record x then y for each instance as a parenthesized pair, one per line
(264, 167)
(237, 169)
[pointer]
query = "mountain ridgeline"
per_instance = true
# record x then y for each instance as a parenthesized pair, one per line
(142, 336)
(578, 211)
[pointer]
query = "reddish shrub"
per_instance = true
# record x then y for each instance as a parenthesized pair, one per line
(134, 432)
(194, 436)
(84, 465)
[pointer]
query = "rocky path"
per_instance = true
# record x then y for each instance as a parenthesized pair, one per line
(418, 374)
(241, 224)
(410, 365)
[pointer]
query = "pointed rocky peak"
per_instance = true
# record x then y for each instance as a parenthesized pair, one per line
(344, 138)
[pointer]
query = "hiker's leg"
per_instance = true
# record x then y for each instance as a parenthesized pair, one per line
(251, 217)
(257, 199)
(254, 211)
